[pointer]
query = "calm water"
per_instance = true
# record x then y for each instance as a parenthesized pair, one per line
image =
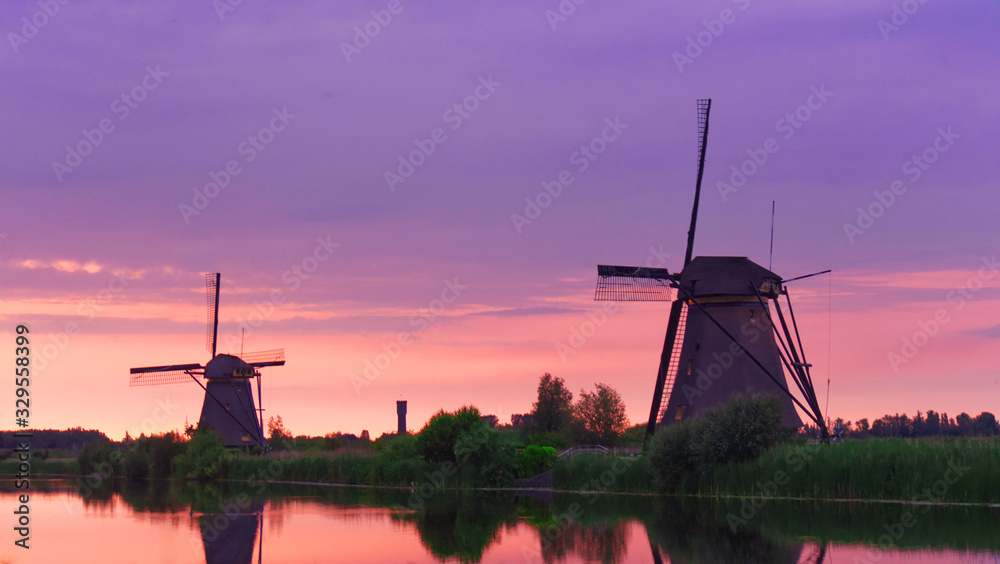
(175, 523)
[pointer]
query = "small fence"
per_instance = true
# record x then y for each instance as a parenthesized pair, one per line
(596, 449)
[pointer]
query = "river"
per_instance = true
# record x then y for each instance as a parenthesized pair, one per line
(170, 522)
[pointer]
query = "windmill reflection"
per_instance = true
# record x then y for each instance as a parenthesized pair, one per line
(230, 537)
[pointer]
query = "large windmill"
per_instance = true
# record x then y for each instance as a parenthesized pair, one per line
(721, 338)
(229, 407)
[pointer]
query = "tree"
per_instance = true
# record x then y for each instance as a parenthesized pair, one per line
(553, 409)
(521, 421)
(277, 434)
(985, 424)
(600, 415)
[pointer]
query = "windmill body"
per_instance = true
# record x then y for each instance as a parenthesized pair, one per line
(229, 408)
(712, 367)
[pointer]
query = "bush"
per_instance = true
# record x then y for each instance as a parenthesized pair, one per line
(203, 459)
(436, 441)
(536, 459)
(741, 429)
(99, 457)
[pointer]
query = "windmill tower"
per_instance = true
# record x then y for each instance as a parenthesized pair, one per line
(721, 338)
(229, 407)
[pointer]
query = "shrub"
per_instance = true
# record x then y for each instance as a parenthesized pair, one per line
(204, 457)
(536, 459)
(436, 441)
(741, 429)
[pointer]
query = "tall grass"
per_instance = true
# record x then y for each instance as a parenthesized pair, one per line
(939, 469)
(596, 473)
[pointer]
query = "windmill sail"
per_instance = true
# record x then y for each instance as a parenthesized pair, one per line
(258, 359)
(632, 284)
(212, 282)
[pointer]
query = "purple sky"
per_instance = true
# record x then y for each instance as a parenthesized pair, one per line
(212, 83)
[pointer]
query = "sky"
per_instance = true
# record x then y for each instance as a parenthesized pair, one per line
(411, 197)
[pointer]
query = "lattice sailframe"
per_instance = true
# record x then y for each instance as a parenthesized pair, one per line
(633, 284)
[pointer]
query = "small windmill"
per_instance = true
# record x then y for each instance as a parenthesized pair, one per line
(721, 338)
(229, 407)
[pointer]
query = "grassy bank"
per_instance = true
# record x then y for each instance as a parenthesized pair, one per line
(933, 469)
(10, 467)
(596, 473)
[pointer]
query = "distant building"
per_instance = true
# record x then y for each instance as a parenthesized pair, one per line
(401, 417)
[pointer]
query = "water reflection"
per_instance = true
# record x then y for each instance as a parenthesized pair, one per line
(227, 523)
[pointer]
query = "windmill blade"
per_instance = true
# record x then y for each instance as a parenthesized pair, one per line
(274, 357)
(633, 284)
(704, 107)
(212, 282)
(157, 375)
(668, 357)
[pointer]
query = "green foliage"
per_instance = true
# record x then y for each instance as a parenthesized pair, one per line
(672, 454)
(599, 473)
(136, 463)
(739, 430)
(552, 411)
(436, 441)
(484, 449)
(893, 468)
(536, 459)
(554, 440)
(204, 458)
(99, 457)
(634, 436)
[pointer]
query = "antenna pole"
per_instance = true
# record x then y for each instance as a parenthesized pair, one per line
(770, 255)
(704, 107)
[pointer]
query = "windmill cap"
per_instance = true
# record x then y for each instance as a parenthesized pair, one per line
(725, 276)
(224, 365)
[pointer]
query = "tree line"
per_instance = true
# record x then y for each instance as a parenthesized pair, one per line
(930, 424)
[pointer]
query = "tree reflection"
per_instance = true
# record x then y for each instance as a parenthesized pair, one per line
(604, 542)
(463, 525)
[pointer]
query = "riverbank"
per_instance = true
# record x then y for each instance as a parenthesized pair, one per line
(953, 470)
(959, 470)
